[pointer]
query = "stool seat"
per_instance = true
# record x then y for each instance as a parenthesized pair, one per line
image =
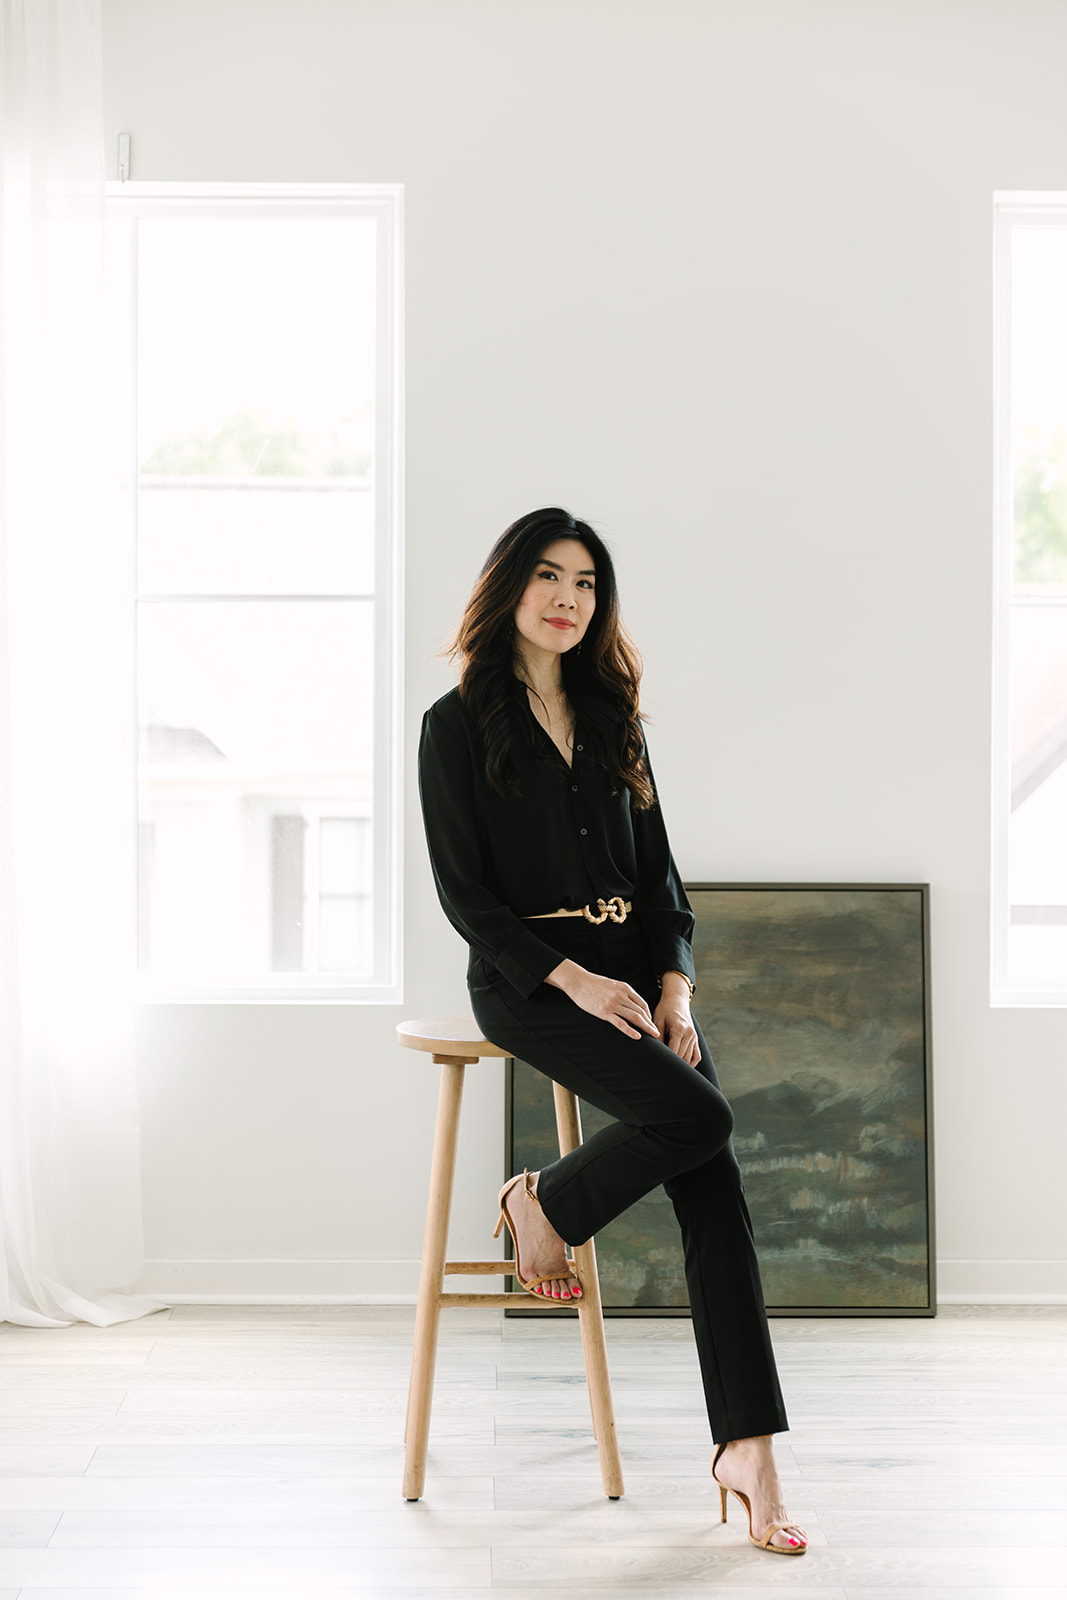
(456, 1042)
(451, 1036)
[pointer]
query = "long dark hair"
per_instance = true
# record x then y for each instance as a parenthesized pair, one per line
(601, 678)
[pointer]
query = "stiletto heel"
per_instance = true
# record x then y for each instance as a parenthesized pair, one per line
(531, 1284)
(791, 1528)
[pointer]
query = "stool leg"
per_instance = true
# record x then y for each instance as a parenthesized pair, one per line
(431, 1276)
(591, 1317)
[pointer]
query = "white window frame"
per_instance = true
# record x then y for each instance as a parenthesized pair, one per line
(126, 202)
(1011, 209)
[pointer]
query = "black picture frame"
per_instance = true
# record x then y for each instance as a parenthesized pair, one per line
(815, 1002)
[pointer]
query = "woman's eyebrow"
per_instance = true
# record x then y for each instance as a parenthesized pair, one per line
(583, 572)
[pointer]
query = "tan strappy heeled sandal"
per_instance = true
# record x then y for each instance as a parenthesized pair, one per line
(791, 1528)
(531, 1284)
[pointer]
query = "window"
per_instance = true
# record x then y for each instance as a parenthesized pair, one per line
(321, 890)
(1029, 901)
(264, 481)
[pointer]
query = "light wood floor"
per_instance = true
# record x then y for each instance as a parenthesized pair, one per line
(243, 1451)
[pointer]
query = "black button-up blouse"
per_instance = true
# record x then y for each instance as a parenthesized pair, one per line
(568, 838)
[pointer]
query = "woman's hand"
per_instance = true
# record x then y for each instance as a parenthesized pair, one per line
(674, 1019)
(608, 998)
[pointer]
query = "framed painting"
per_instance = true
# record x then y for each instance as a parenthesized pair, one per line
(815, 1002)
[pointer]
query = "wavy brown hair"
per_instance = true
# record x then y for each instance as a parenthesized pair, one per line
(601, 677)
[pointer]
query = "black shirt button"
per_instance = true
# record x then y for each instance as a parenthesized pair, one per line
(579, 747)
(583, 832)
(574, 788)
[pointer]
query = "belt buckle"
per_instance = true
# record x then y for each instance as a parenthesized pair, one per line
(615, 908)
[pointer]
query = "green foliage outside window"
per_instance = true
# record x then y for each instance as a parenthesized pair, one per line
(1040, 542)
(251, 444)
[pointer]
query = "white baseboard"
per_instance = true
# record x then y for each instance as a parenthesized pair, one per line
(994, 1282)
(291, 1300)
(395, 1283)
(282, 1282)
(1002, 1300)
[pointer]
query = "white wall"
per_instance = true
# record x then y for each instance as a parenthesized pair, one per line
(718, 278)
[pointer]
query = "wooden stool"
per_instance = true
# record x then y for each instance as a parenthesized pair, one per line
(453, 1042)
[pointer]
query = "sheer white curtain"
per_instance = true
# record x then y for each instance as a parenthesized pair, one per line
(70, 1239)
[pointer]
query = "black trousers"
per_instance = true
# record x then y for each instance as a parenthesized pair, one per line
(672, 1126)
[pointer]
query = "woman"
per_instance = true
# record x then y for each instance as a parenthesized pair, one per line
(551, 859)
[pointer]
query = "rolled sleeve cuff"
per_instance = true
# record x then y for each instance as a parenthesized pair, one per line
(526, 962)
(672, 953)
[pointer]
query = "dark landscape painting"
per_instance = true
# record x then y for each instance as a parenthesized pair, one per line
(814, 1001)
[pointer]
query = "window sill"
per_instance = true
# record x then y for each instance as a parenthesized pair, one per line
(157, 993)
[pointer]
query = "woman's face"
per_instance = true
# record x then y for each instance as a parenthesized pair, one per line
(560, 598)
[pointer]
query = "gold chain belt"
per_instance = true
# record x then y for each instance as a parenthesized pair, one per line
(617, 909)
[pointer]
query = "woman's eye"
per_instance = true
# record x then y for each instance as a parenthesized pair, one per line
(586, 583)
(546, 574)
